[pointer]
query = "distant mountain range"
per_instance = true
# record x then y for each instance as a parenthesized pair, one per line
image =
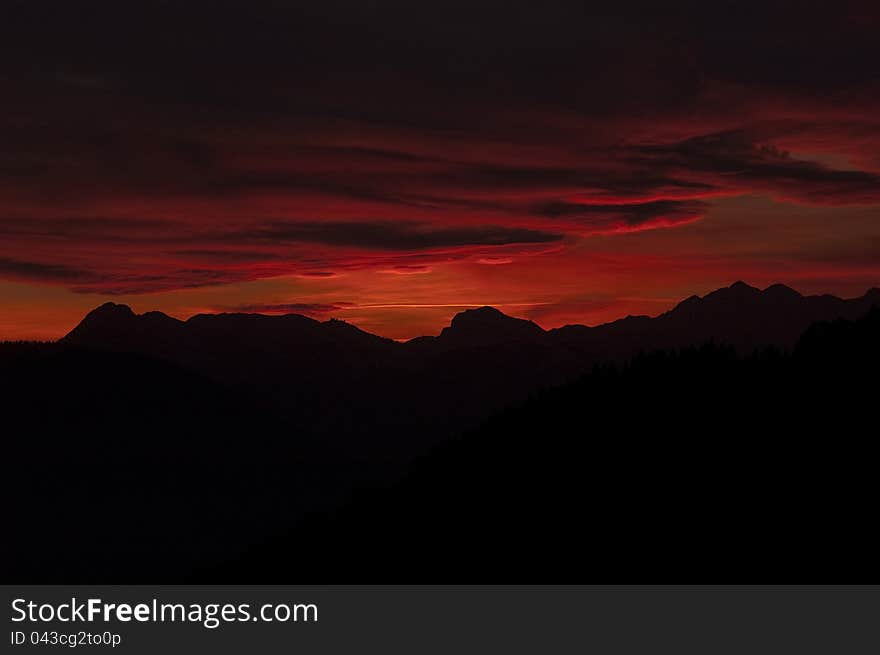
(362, 389)
(739, 315)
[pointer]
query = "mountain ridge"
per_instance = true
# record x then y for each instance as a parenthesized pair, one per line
(477, 325)
(484, 358)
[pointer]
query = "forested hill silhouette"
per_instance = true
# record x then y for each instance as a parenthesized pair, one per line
(684, 465)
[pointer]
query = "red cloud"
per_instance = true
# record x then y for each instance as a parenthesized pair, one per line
(511, 137)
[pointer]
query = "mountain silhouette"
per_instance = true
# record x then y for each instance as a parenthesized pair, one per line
(482, 362)
(219, 446)
(234, 347)
(738, 315)
(487, 325)
(115, 326)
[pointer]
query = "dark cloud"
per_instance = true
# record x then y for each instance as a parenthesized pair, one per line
(604, 217)
(156, 145)
(43, 272)
(95, 228)
(112, 282)
(228, 256)
(391, 236)
(153, 256)
(168, 278)
(368, 234)
(509, 48)
(732, 160)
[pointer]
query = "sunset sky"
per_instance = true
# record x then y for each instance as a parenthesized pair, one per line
(392, 163)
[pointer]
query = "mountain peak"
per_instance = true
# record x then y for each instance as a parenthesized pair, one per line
(489, 324)
(480, 313)
(110, 315)
(782, 292)
(111, 309)
(738, 291)
(489, 316)
(113, 323)
(740, 288)
(115, 313)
